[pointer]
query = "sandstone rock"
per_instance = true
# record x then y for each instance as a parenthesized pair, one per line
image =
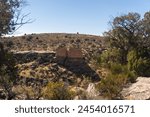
(139, 90)
(21, 97)
(92, 93)
(62, 70)
(76, 98)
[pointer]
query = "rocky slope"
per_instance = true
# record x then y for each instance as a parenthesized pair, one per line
(60, 57)
(36, 56)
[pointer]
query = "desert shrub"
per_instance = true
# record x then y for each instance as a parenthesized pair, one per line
(57, 91)
(112, 85)
(10, 44)
(8, 72)
(108, 56)
(30, 93)
(29, 38)
(139, 63)
(85, 82)
(131, 76)
(117, 68)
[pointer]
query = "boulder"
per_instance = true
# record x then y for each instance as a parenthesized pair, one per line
(139, 90)
(92, 93)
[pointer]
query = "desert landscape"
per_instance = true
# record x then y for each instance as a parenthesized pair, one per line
(39, 62)
(77, 64)
(63, 63)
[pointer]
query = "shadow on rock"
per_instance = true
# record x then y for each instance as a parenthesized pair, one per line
(73, 60)
(79, 67)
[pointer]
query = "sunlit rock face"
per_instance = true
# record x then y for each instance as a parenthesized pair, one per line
(139, 90)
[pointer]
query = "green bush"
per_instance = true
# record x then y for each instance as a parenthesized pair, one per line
(109, 56)
(112, 85)
(139, 63)
(117, 78)
(116, 68)
(131, 76)
(57, 91)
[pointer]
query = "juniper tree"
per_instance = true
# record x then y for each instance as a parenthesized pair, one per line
(129, 32)
(10, 20)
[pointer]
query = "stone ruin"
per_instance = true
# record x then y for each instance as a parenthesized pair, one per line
(73, 60)
(70, 56)
(61, 55)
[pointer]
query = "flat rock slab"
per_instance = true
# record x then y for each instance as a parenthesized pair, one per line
(28, 56)
(139, 90)
(28, 52)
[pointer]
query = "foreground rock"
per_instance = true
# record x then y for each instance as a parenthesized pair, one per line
(92, 93)
(139, 90)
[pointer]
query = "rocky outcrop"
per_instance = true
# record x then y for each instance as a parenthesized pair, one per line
(28, 56)
(46, 58)
(32, 62)
(139, 90)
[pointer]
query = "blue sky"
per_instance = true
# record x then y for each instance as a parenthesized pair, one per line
(83, 16)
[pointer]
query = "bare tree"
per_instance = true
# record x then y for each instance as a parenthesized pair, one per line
(10, 16)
